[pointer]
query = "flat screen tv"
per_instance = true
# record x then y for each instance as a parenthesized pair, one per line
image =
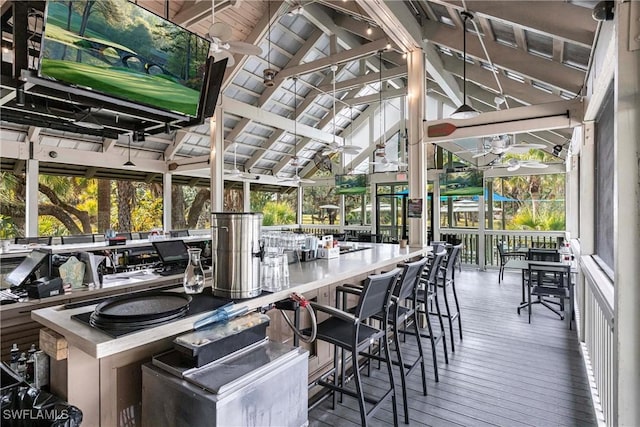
(172, 251)
(467, 183)
(351, 184)
(119, 49)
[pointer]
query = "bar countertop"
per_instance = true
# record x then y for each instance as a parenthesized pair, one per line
(304, 277)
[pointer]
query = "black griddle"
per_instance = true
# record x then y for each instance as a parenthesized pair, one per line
(199, 303)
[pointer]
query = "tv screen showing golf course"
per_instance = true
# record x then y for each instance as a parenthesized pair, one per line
(122, 50)
(351, 184)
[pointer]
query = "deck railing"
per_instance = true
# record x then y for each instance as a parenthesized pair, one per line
(598, 319)
(513, 239)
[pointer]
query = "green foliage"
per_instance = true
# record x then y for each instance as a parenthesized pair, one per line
(7, 227)
(544, 219)
(278, 213)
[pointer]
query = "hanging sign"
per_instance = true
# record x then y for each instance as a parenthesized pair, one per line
(414, 208)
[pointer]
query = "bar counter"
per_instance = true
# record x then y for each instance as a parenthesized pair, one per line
(304, 277)
(102, 371)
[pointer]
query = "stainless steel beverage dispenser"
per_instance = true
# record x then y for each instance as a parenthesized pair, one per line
(236, 252)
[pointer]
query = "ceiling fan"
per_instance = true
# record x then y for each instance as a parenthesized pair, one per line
(222, 47)
(334, 147)
(499, 144)
(235, 172)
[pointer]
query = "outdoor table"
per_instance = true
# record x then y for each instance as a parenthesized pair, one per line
(523, 265)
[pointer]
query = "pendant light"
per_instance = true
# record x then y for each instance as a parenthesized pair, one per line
(464, 111)
(269, 74)
(296, 177)
(129, 163)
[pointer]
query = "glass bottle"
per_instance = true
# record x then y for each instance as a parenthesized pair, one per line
(194, 274)
(15, 355)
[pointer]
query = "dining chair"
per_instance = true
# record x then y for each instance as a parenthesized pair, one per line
(349, 333)
(77, 238)
(41, 240)
(539, 254)
(550, 281)
(179, 233)
(504, 257)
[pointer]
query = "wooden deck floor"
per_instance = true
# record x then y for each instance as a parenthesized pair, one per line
(504, 372)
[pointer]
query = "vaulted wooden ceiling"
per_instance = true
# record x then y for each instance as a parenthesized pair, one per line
(518, 53)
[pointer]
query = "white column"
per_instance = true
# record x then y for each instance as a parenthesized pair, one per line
(374, 195)
(626, 223)
(31, 203)
(167, 203)
(299, 210)
(417, 152)
(216, 161)
(436, 208)
(246, 196)
(587, 190)
(481, 228)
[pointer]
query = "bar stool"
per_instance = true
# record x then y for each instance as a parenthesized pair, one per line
(399, 313)
(448, 280)
(349, 333)
(424, 299)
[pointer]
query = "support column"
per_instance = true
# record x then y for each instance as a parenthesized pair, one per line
(31, 202)
(481, 230)
(216, 161)
(167, 203)
(373, 183)
(300, 200)
(417, 151)
(246, 196)
(626, 222)
(435, 221)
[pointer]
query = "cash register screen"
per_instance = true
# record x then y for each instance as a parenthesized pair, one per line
(29, 265)
(172, 251)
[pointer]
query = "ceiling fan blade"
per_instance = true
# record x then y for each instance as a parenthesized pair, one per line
(534, 165)
(222, 54)
(354, 151)
(328, 152)
(243, 48)
(513, 168)
(220, 30)
(527, 145)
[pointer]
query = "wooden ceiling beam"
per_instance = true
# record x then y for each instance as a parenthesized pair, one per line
(193, 11)
(518, 61)
(269, 92)
(401, 25)
(545, 17)
(367, 49)
(513, 89)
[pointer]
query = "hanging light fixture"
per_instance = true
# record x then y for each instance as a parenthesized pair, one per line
(296, 161)
(269, 74)
(464, 111)
(129, 163)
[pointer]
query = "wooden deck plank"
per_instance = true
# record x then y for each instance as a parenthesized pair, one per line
(504, 372)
